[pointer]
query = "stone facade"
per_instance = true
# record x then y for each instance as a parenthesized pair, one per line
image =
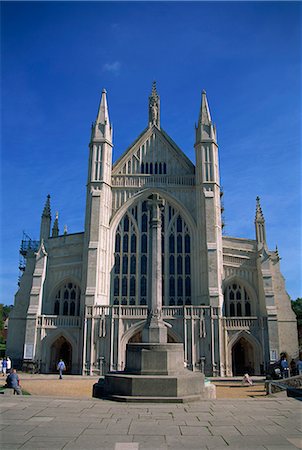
(84, 296)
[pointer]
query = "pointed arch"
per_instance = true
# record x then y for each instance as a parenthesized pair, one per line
(254, 358)
(176, 223)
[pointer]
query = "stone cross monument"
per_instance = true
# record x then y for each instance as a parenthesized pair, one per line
(155, 330)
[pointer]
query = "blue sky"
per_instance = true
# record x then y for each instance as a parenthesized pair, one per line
(57, 57)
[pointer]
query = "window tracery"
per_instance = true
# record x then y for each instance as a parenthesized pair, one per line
(237, 302)
(130, 272)
(67, 300)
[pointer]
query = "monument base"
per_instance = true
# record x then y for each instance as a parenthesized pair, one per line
(154, 373)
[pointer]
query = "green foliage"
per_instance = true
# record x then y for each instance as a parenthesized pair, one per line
(4, 313)
(297, 308)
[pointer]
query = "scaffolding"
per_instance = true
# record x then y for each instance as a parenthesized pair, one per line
(27, 246)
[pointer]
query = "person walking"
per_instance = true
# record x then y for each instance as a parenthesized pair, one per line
(284, 367)
(61, 367)
(9, 364)
(13, 382)
(1, 362)
(4, 367)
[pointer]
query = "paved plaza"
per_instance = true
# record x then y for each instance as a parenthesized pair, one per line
(30, 422)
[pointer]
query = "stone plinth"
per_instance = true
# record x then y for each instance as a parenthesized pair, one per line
(154, 373)
(154, 359)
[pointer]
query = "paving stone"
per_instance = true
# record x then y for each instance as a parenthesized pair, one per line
(244, 441)
(195, 442)
(126, 446)
(297, 441)
(250, 430)
(47, 443)
(228, 430)
(59, 430)
(15, 438)
(194, 431)
(39, 419)
(154, 429)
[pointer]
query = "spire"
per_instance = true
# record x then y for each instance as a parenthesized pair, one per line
(65, 230)
(101, 129)
(55, 228)
(46, 211)
(260, 223)
(259, 214)
(45, 220)
(154, 107)
(205, 129)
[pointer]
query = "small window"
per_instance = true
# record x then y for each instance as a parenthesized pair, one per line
(144, 265)
(72, 308)
(117, 264)
(65, 309)
(187, 265)
(232, 310)
(126, 224)
(188, 286)
(133, 243)
(125, 264)
(144, 243)
(171, 265)
(248, 309)
(132, 286)
(179, 224)
(179, 265)
(180, 287)
(133, 265)
(124, 286)
(144, 223)
(187, 244)
(171, 243)
(116, 287)
(172, 287)
(143, 286)
(57, 308)
(239, 310)
(118, 243)
(125, 243)
(179, 243)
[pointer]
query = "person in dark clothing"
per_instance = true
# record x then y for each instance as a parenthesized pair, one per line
(13, 382)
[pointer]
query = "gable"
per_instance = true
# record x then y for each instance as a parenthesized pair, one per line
(153, 152)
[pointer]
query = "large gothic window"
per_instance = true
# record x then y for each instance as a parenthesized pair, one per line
(131, 258)
(67, 300)
(237, 302)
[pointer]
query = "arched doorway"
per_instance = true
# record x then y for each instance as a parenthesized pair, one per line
(243, 357)
(61, 349)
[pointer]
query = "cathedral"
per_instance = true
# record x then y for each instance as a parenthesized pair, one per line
(83, 296)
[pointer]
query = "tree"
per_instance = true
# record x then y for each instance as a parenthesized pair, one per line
(4, 313)
(297, 308)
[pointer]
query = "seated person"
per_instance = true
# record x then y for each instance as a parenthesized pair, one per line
(13, 382)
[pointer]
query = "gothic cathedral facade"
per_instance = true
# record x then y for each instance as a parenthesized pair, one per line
(82, 297)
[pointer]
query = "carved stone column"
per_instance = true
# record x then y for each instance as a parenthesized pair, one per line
(155, 330)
